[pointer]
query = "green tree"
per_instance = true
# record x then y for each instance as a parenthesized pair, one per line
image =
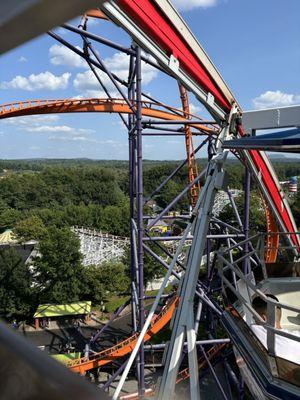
(59, 271)
(104, 280)
(169, 192)
(10, 217)
(257, 220)
(30, 228)
(296, 210)
(152, 268)
(16, 293)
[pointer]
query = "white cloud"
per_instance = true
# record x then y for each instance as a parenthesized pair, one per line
(48, 128)
(22, 59)
(195, 109)
(185, 5)
(61, 55)
(72, 139)
(84, 139)
(86, 82)
(43, 81)
(60, 129)
(275, 99)
(43, 124)
(33, 120)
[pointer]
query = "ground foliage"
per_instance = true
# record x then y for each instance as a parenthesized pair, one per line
(16, 293)
(42, 199)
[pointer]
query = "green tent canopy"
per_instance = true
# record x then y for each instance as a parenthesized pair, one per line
(65, 358)
(60, 310)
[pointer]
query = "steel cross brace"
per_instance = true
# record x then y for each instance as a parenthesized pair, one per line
(183, 326)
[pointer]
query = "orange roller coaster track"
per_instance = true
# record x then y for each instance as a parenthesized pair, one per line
(192, 166)
(119, 106)
(272, 239)
(124, 347)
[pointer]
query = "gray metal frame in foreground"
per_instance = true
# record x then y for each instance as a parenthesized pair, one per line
(272, 118)
(184, 319)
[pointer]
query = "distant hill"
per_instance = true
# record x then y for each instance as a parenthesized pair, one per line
(39, 164)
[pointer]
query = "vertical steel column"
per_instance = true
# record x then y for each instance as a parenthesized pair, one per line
(140, 202)
(246, 217)
(131, 144)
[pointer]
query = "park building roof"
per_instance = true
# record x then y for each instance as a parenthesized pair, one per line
(7, 237)
(60, 310)
(158, 223)
(65, 358)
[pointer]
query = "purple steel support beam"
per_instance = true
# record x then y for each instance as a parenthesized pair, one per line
(190, 237)
(81, 54)
(216, 379)
(113, 317)
(158, 128)
(91, 66)
(180, 122)
(99, 65)
(100, 39)
(172, 134)
(199, 288)
(219, 222)
(140, 205)
(239, 220)
(114, 45)
(109, 74)
(178, 168)
(235, 210)
(180, 264)
(177, 198)
(131, 144)
(247, 183)
(181, 216)
(114, 375)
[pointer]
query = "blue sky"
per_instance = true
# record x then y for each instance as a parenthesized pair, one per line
(254, 44)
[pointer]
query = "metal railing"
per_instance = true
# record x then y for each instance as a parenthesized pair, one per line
(227, 263)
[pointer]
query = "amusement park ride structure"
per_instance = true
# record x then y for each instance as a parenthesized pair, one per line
(161, 38)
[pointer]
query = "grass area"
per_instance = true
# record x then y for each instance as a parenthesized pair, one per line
(114, 302)
(167, 290)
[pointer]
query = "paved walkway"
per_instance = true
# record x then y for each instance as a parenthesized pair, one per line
(52, 339)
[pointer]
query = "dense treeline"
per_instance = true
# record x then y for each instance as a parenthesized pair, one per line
(93, 193)
(42, 199)
(66, 196)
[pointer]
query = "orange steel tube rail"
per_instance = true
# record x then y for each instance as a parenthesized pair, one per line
(191, 162)
(272, 239)
(149, 109)
(124, 347)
